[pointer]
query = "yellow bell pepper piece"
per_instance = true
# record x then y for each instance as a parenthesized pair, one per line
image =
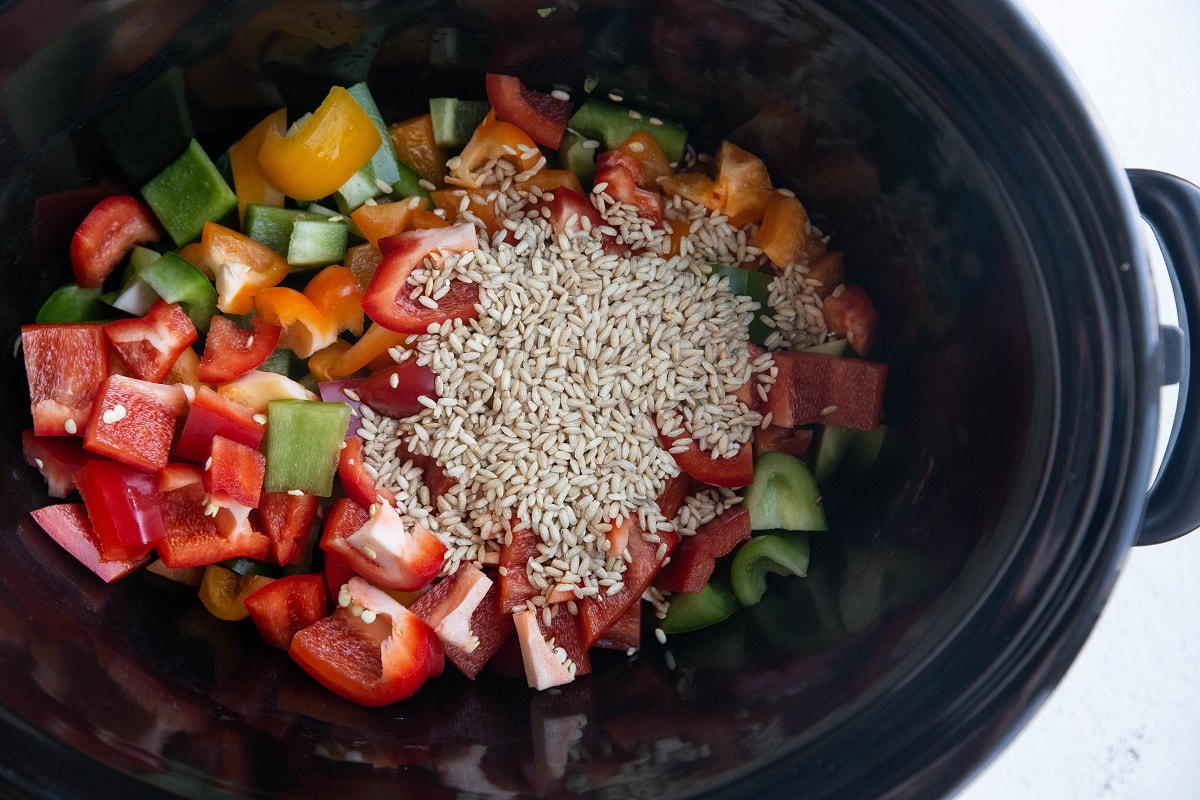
(249, 182)
(223, 591)
(324, 152)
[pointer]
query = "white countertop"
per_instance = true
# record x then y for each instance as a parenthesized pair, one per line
(1125, 722)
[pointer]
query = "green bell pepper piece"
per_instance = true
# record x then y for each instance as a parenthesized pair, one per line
(690, 611)
(187, 193)
(783, 495)
(756, 286)
(613, 124)
(303, 442)
(317, 243)
(271, 225)
(455, 120)
(575, 155)
(72, 303)
(777, 553)
(150, 129)
(175, 280)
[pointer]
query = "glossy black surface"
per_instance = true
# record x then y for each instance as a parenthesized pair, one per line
(944, 151)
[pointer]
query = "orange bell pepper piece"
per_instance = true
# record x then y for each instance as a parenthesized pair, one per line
(783, 235)
(186, 369)
(646, 149)
(240, 266)
(496, 139)
(374, 344)
(336, 294)
(416, 148)
(249, 182)
(692, 186)
(448, 200)
(423, 220)
(385, 219)
(743, 184)
(320, 363)
(550, 179)
(320, 156)
(305, 329)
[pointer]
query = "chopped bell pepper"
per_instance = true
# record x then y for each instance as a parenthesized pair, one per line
(272, 226)
(417, 147)
(249, 181)
(743, 184)
(612, 124)
(324, 152)
(107, 234)
(336, 294)
(690, 611)
(386, 219)
(317, 243)
(68, 524)
(374, 344)
(305, 328)
(777, 553)
(223, 592)
(321, 362)
(177, 280)
(783, 234)
(454, 120)
(189, 193)
(784, 495)
(542, 116)
(231, 350)
(241, 266)
(72, 303)
(496, 139)
(304, 438)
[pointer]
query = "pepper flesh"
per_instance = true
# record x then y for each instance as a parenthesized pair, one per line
(324, 152)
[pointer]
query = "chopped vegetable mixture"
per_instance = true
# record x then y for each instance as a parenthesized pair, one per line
(499, 377)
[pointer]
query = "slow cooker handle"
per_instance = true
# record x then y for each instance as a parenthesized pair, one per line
(1171, 206)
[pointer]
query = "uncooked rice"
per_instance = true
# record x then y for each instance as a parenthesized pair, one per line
(552, 400)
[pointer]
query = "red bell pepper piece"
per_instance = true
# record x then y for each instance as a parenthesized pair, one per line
(213, 415)
(388, 299)
(776, 438)
(515, 552)
(814, 387)
(57, 458)
(542, 116)
(546, 666)
(285, 606)
(622, 173)
(625, 634)
(134, 421)
(849, 312)
(674, 493)
(107, 234)
(192, 537)
(285, 519)
(598, 613)
(370, 650)
(394, 392)
(356, 481)
(65, 366)
(233, 479)
(447, 599)
(150, 345)
(68, 524)
(124, 507)
(234, 473)
(731, 471)
(695, 558)
(383, 549)
(231, 350)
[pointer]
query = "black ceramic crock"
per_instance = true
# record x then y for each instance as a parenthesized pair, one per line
(954, 164)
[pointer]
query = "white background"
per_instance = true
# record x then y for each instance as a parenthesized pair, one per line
(1125, 722)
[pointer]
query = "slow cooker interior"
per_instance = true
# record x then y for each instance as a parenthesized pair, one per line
(892, 158)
